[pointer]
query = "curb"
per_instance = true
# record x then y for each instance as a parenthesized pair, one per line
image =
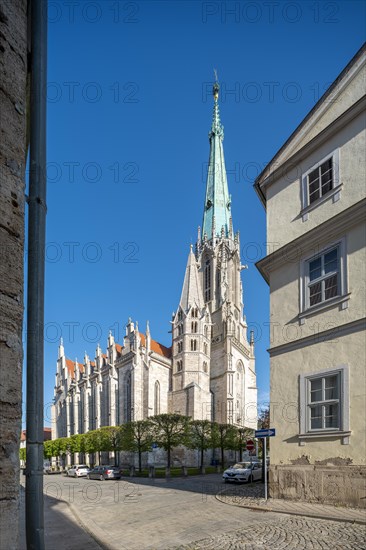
(290, 513)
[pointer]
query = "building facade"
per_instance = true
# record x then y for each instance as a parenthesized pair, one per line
(314, 194)
(209, 370)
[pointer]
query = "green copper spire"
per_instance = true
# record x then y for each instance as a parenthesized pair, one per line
(217, 209)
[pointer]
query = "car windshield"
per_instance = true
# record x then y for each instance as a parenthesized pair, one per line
(241, 465)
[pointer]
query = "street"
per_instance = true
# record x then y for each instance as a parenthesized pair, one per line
(144, 514)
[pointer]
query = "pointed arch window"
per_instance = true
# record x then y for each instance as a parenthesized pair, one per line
(180, 347)
(157, 398)
(205, 348)
(205, 367)
(193, 345)
(179, 366)
(194, 326)
(206, 330)
(207, 277)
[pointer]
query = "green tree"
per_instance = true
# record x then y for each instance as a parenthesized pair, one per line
(170, 430)
(240, 438)
(200, 436)
(60, 447)
(224, 436)
(22, 453)
(93, 442)
(48, 448)
(138, 437)
(111, 440)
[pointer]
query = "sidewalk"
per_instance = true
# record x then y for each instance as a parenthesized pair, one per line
(62, 529)
(253, 498)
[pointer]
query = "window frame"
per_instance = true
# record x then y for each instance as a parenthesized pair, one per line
(342, 283)
(305, 405)
(332, 193)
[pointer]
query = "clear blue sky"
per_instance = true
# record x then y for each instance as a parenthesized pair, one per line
(129, 110)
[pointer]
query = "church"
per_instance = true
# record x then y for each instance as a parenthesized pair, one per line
(209, 370)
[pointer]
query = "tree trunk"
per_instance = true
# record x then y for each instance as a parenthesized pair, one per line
(13, 108)
(201, 458)
(140, 461)
(168, 458)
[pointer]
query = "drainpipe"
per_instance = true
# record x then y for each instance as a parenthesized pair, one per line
(36, 276)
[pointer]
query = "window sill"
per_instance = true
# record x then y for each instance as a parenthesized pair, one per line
(325, 434)
(338, 300)
(334, 194)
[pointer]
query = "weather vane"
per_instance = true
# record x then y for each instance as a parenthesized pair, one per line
(216, 77)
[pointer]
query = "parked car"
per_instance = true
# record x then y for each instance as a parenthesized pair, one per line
(79, 470)
(243, 471)
(104, 472)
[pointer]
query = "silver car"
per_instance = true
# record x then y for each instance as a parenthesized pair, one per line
(105, 472)
(79, 470)
(243, 472)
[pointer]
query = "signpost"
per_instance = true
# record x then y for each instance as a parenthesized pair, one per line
(263, 434)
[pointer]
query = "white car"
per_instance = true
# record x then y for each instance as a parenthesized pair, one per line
(243, 471)
(80, 470)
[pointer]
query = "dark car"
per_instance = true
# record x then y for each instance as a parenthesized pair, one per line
(104, 472)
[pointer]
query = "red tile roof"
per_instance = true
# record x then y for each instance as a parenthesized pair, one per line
(71, 367)
(47, 433)
(119, 349)
(155, 346)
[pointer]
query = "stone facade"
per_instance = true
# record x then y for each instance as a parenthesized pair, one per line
(13, 152)
(314, 194)
(208, 372)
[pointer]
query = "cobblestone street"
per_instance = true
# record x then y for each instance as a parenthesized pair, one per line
(287, 533)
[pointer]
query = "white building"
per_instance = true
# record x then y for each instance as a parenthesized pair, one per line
(314, 194)
(209, 372)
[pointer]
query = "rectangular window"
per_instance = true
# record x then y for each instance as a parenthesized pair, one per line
(323, 276)
(320, 180)
(324, 403)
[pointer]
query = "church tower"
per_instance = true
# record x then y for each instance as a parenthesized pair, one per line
(211, 351)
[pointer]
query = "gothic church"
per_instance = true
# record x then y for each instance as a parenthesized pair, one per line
(209, 370)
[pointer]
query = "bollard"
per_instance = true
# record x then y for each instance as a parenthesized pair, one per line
(185, 471)
(151, 472)
(132, 471)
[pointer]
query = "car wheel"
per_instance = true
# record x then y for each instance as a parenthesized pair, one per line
(88, 476)
(101, 477)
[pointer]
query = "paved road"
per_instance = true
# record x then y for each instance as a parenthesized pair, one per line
(185, 514)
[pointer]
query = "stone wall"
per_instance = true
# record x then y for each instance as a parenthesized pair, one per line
(13, 68)
(336, 485)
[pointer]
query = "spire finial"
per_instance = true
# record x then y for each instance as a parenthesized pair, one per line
(216, 86)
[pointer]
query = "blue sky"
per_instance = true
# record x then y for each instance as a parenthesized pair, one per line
(129, 110)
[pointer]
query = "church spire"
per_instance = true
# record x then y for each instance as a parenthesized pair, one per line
(217, 208)
(191, 292)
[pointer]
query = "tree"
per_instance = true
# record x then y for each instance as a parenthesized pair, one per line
(13, 153)
(200, 437)
(240, 437)
(263, 418)
(48, 448)
(111, 440)
(93, 442)
(138, 437)
(170, 430)
(224, 437)
(22, 453)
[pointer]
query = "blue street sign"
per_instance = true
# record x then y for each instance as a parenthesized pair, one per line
(265, 432)
(154, 445)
